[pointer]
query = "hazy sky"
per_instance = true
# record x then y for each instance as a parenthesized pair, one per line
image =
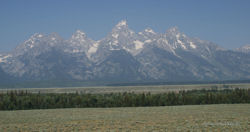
(224, 22)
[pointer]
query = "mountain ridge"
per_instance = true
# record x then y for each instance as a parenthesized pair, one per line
(124, 55)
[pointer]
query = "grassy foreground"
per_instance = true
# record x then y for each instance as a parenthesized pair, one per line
(231, 117)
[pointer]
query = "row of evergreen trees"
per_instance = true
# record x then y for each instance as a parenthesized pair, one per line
(21, 100)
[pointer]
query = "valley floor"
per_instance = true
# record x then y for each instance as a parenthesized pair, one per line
(135, 89)
(224, 117)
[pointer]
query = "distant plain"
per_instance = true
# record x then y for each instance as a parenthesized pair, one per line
(136, 89)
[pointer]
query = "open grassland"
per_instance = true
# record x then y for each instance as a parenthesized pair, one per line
(231, 117)
(136, 89)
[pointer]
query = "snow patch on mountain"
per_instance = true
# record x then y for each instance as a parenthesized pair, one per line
(32, 40)
(79, 33)
(162, 40)
(245, 48)
(173, 30)
(127, 49)
(93, 49)
(122, 23)
(4, 58)
(40, 35)
(53, 38)
(78, 37)
(192, 45)
(113, 43)
(138, 44)
(148, 41)
(115, 35)
(182, 44)
(151, 55)
(31, 46)
(149, 31)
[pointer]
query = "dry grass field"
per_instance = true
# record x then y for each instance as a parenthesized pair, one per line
(136, 89)
(225, 117)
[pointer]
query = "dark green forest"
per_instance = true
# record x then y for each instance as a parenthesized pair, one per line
(23, 100)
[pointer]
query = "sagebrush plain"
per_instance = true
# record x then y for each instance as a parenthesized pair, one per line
(223, 117)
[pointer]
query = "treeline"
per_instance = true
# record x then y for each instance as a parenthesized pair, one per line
(22, 100)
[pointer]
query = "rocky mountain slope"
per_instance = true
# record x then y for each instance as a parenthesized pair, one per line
(124, 55)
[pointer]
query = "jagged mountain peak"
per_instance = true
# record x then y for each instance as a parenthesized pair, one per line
(78, 35)
(245, 48)
(147, 55)
(173, 30)
(122, 23)
(80, 32)
(39, 42)
(175, 33)
(122, 26)
(34, 37)
(79, 42)
(121, 30)
(55, 36)
(149, 30)
(37, 35)
(51, 39)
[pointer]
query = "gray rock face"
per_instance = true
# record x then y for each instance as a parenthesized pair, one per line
(124, 55)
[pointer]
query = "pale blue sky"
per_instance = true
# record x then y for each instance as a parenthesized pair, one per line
(224, 22)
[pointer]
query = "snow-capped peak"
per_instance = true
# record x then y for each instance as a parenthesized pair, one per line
(247, 47)
(121, 29)
(149, 30)
(173, 30)
(54, 36)
(79, 32)
(3, 58)
(36, 35)
(78, 35)
(122, 23)
(33, 39)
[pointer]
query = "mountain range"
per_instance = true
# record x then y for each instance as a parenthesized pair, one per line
(124, 55)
